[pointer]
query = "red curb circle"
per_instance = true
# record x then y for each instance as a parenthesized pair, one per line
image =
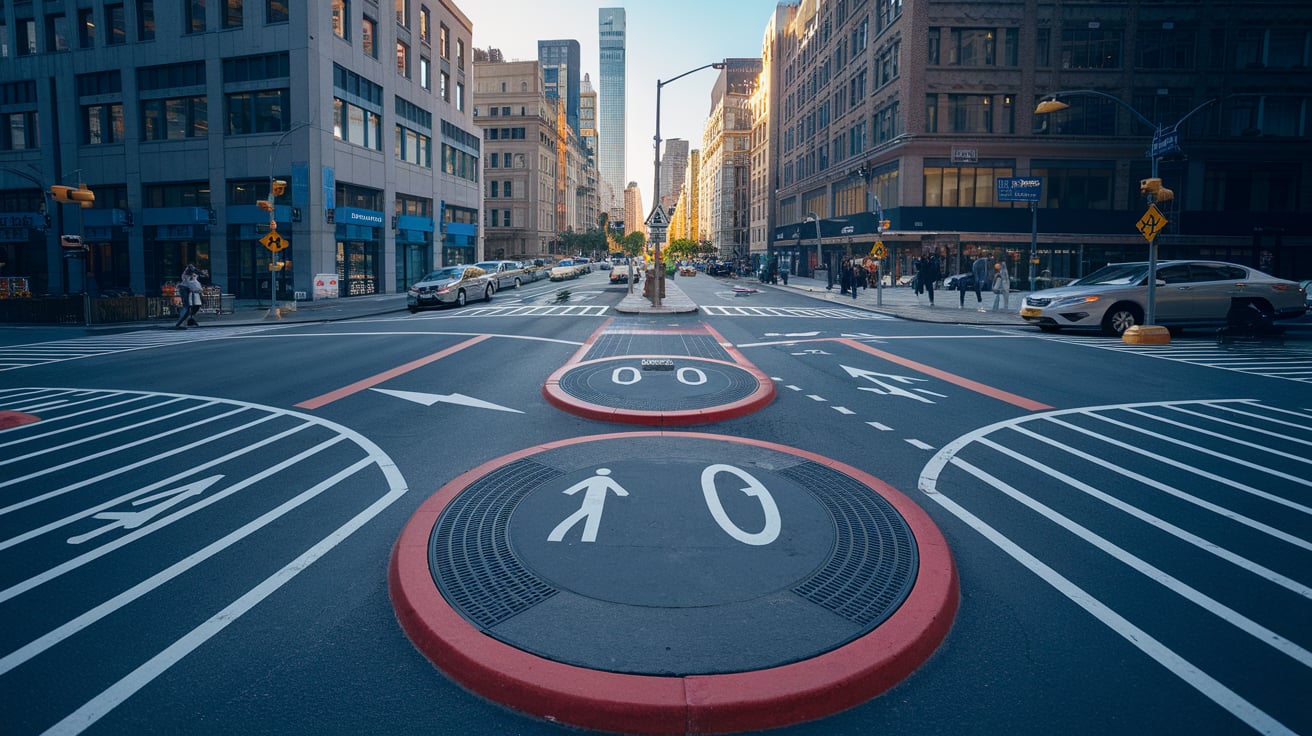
(769, 698)
(758, 399)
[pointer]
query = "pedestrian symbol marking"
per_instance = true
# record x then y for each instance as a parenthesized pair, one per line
(596, 487)
(1151, 223)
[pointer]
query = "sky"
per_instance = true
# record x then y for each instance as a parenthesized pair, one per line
(665, 39)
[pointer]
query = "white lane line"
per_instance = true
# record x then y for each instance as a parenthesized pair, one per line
(1177, 665)
(1148, 570)
(1218, 435)
(842, 410)
(1284, 436)
(1203, 544)
(110, 433)
(1171, 490)
(880, 426)
(919, 445)
(83, 425)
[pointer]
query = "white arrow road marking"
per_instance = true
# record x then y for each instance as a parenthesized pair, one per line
(886, 389)
(134, 519)
(430, 399)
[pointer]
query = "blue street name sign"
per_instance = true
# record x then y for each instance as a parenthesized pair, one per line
(1020, 189)
(1166, 143)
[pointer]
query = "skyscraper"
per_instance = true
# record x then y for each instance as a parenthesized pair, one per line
(610, 157)
(560, 74)
(674, 166)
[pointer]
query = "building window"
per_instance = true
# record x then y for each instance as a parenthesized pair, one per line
(4, 38)
(341, 12)
(1165, 48)
(232, 13)
(1075, 188)
(86, 28)
(426, 73)
(18, 131)
(414, 147)
(174, 118)
(354, 124)
(931, 113)
(275, 11)
(1090, 48)
(368, 28)
(495, 189)
(195, 16)
(460, 54)
(116, 25)
(261, 111)
(403, 13)
(102, 124)
(972, 47)
(403, 59)
(460, 96)
(57, 32)
(951, 186)
(970, 113)
(444, 86)
(26, 28)
(425, 24)
(444, 41)
(145, 20)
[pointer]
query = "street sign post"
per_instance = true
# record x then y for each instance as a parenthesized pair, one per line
(1025, 189)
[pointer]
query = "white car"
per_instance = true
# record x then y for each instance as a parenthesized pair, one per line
(505, 274)
(1188, 294)
(456, 285)
(566, 269)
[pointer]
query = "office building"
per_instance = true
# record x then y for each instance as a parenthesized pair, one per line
(560, 61)
(920, 109)
(179, 118)
(674, 166)
(725, 209)
(611, 109)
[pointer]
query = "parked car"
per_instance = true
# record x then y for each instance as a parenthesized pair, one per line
(534, 270)
(505, 274)
(719, 268)
(1188, 294)
(565, 269)
(451, 285)
(619, 273)
(1306, 286)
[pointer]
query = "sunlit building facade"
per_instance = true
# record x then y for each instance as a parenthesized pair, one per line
(611, 109)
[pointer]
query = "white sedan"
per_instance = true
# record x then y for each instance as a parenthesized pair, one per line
(456, 285)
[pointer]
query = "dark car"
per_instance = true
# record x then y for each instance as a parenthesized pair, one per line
(719, 268)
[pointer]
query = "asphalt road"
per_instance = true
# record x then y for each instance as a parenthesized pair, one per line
(194, 537)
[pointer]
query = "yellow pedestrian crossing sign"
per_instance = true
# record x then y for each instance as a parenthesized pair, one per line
(878, 251)
(274, 242)
(1151, 223)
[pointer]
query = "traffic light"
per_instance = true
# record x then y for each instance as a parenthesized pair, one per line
(265, 205)
(1153, 188)
(78, 195)
(279, 186)
(884, 225)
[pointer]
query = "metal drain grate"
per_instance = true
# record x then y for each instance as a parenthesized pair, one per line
(468, 553)
(690, 345)
(875, 561)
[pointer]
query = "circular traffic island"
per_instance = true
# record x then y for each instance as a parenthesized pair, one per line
(661, 582)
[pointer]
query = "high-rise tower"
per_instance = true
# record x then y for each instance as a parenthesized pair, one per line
(610, 125)
(560, 75)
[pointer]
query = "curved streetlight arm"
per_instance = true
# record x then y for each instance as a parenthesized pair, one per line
(1095, 93)
(274, 150)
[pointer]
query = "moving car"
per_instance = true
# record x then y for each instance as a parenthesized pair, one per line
(1188, 294)
(505, 274)
(566, 269)
(451, 285)
(719, 268)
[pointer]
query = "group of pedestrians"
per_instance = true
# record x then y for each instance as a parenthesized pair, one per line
(928, 272)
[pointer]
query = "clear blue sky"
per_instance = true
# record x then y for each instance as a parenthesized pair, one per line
(665, 39)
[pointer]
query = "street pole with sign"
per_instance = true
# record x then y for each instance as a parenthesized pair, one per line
(1024, 189)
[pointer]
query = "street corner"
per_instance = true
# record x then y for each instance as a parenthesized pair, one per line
(11, 419)
(659, 390)
(673, 582)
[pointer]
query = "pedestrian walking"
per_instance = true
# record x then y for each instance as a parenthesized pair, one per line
(929, 274)
(783, 274)
(980, 270)
(188, 290)
(845, 277)
(1001, 286)
(916, 283)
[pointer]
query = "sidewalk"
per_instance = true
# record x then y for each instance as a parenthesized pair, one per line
(901, 301)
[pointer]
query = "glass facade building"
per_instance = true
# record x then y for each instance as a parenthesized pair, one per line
(611, 106)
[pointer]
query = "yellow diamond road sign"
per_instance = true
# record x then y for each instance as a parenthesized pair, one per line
(878, 251)
(1151, 223)
(274, 242)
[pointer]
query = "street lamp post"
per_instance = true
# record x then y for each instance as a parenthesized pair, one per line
(1166, 139)
(659, 271)
(273, 312)
(818, 254)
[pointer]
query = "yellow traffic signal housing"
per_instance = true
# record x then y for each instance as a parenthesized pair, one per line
(884, 225)
(1153, 188)
(279, 186)
(79, 195)
(265, 205)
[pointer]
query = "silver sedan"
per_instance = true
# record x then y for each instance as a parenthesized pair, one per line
(1188, 294)
(456, 285)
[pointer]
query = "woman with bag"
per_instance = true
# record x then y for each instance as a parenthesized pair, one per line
(1001, 286)
(189, 290)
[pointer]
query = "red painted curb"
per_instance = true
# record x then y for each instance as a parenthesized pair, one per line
(566, 402)
(702, 704)
(11, 419)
